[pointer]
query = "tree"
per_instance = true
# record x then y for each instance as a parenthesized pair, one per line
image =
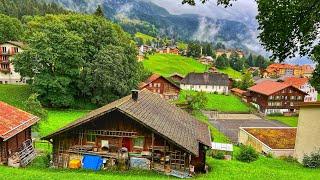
(236, 62)
(261, 62)
(194, 50)
(315, 80)
(62, 56)
(197, 101)
(34, 106)
(10, 29)
(207, 49)
(99, 11)
(246, 81)
(222, 62)
(220, 45)
(250, 61)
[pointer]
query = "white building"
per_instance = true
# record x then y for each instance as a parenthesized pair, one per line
(7, 73)
(206, 82)
(304, 85)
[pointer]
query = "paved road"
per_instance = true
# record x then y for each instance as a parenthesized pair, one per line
(229, 124)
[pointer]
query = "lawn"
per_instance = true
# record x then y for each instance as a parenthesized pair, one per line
(15, 95)
(318, 97)
(57, 119)
(231, 73)
(144, 37)
(260, 169)
(290, 121)
(167, 64)
(222, 103)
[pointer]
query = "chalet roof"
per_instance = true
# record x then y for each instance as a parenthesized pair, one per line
(154, 77)
(158, 115)
(269, 87)
(177, 74)
(16, 43)
(237, 90)
(14, 120)
(295, 81)
(206, 79)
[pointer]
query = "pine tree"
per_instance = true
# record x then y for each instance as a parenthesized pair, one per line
(99, 11)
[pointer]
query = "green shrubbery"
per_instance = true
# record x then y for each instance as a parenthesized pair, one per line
(247, 154)
(312, 160)
(218, 155)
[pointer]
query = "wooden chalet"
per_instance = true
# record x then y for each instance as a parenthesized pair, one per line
(15, 136)
(146, 125)
(166, 87)
(176, 77)
(275, 97)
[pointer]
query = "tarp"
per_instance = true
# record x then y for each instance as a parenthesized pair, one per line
(92, 162)
(141, 163)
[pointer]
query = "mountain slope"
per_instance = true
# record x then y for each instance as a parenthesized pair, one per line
(146, 17)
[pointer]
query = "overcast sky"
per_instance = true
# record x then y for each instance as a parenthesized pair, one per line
(241, 10)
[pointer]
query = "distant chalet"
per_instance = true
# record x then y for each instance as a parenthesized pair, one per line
(166, 87)
(207, 82)
(147, 125)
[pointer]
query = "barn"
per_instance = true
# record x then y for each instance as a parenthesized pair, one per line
(144, 126)
(15, 135)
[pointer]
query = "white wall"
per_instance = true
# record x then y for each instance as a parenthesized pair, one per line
(312, 93)
(205, 88)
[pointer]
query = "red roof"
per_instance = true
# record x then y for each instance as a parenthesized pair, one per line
(14, 120)
(298, 82)
(307, 69)
(237, 90)
(268, 87)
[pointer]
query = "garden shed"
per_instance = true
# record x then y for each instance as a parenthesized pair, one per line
(278, 141)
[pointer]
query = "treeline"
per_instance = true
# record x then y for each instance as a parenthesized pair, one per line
(20, 8)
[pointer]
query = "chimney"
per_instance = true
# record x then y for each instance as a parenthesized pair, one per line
(135, 95)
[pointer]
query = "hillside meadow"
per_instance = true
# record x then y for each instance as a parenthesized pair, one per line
(167, 64)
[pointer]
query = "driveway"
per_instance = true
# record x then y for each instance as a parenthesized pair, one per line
(229, 124)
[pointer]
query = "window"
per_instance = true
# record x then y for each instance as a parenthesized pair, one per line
(299, 97)
(4, 49)
(271, 97)
(138, 142)
(91, 137)
(150, 85)
(16, 49)
(291, 103)
(292, 97)
(277, 97)
(290, 91)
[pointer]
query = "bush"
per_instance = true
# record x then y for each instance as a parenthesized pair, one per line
(215, 92)
(247, 154)
(312, 160)
(288, 159)
(218, 155)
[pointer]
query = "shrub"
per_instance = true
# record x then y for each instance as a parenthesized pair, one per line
(218, 155)
(312, 160)
(288, 159)
(269, 155)
(247, 154)
(215, 92)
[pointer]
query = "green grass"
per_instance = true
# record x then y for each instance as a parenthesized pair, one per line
(216, 135)
(290, 121)
(57, 119)
(231, 73)
(318, 97)
(15, 95)
(260, 169)
(144, 37)
(167, 64)
(219, 102)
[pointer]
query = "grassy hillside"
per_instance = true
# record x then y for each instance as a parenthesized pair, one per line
(231, 73)
(144, 37)
(15, 95)
(222, 103)
(167, 64)
(290, 121)
(318, 97)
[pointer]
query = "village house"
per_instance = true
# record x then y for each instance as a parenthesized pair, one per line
(304, 85)
(168, 50)
(7, 73)
(307, 70)
(207, 82)
(161, 85)
(141, 129)
(176, 77)
(278, 70)
(275, 97)
(15, 136)
(206, 60)
(220, 52)
(308, 131)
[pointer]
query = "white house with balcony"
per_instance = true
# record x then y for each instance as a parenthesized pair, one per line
(304, 85)
(7, 72)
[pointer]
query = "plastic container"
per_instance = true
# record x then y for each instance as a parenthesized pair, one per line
(92, 162)
(75, 164)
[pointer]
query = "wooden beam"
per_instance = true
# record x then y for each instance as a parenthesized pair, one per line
(152, 145)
